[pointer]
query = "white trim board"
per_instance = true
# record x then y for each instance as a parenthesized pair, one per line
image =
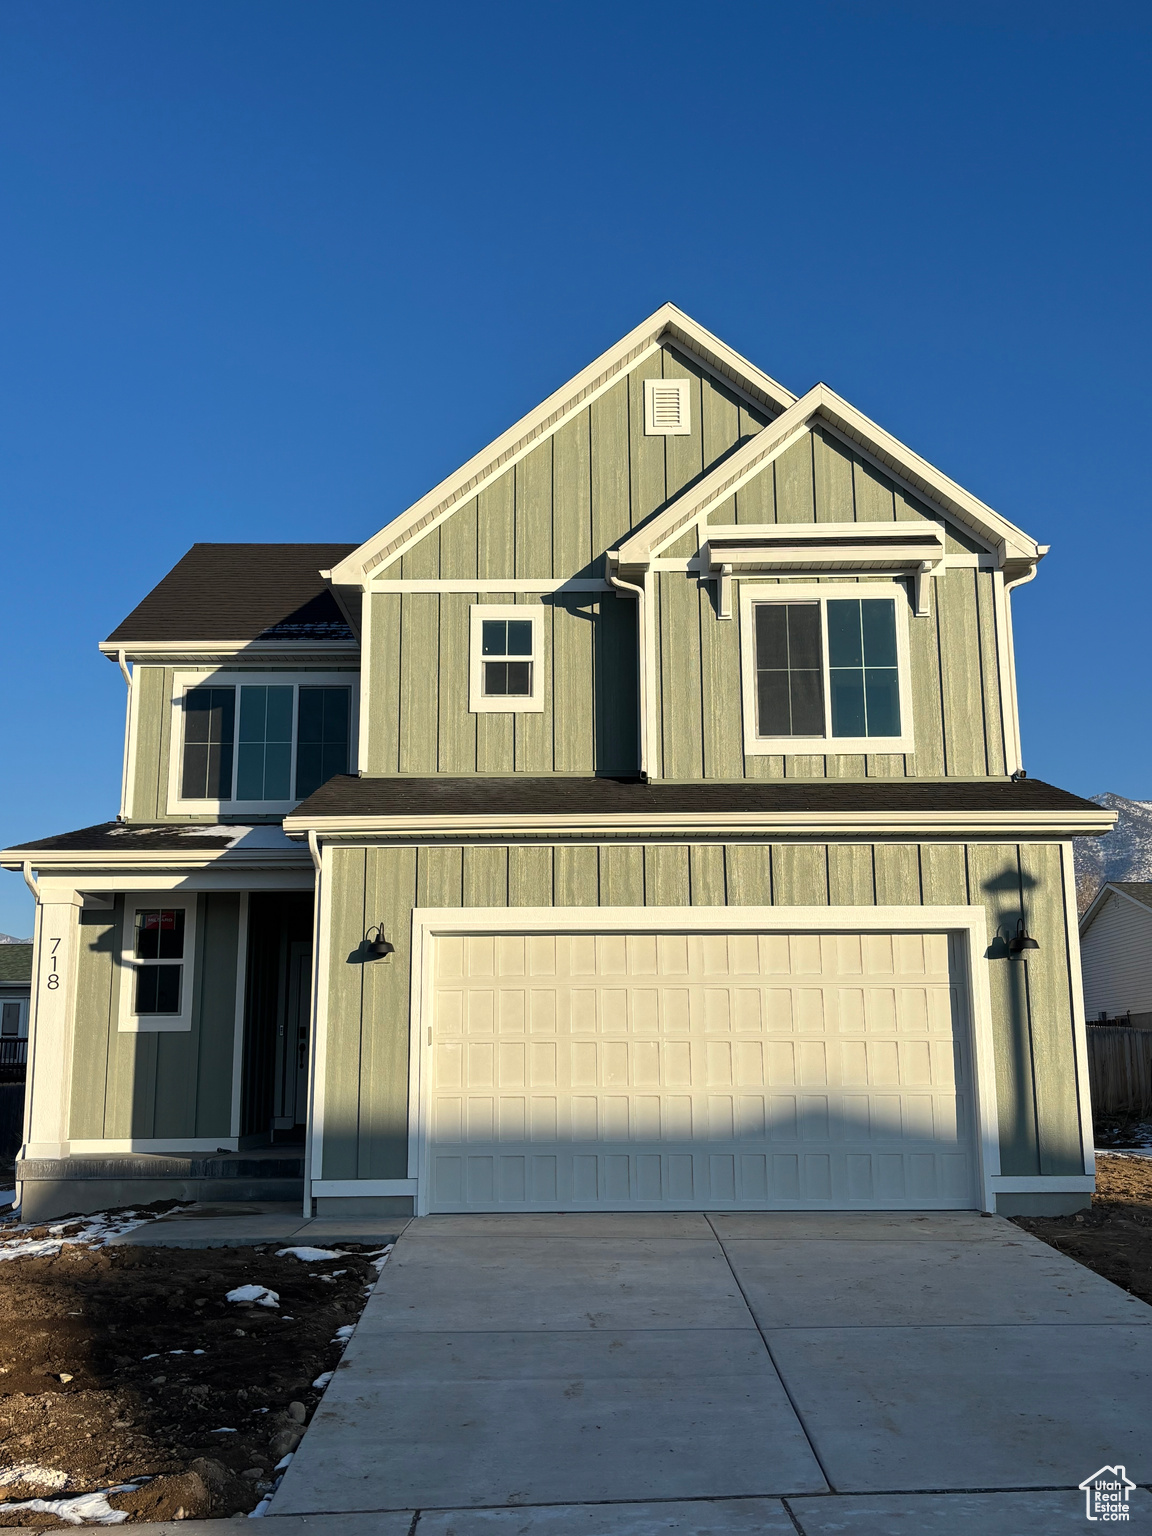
(149, 1144)
(362, 1187)
(739, 826)
(428, 923)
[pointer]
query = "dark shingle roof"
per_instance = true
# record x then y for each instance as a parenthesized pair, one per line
(115, 837)
(242, 592)
(1139, 890)
(15, 962)
(351, 796)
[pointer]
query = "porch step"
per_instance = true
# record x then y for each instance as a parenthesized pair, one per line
(51, 1187)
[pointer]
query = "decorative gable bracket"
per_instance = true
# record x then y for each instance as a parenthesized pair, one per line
(915, 550)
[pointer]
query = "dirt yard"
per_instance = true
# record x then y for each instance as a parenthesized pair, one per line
(1115, 1237)
(123, 1363)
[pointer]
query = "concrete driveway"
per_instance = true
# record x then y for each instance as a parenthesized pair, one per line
(731, 1373)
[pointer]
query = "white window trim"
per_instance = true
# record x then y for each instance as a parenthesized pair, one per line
(681, 386)
(221, 679)
(130, 1022)
(827, 745)
(503, 704)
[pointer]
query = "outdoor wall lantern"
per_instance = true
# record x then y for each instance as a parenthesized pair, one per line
(1021, 947)
(379, 947)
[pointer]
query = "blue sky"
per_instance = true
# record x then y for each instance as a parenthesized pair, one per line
(270, 270)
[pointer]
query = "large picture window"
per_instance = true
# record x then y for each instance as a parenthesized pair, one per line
(156, 958)
(825, 668)
(259, 742)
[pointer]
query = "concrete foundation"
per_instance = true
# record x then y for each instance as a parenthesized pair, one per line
(1039, 1204)
(364, 1205)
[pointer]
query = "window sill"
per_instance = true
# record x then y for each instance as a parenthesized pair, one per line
(825, 746)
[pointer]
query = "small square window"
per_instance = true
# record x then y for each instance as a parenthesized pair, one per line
(505, 669)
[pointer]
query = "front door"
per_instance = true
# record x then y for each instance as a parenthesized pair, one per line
(291, 1107)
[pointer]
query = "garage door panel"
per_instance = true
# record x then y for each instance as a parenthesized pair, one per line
(698, 1069)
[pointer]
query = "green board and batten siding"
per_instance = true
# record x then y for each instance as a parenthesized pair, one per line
(164, 1085)
(367, 1029)
(551, 515)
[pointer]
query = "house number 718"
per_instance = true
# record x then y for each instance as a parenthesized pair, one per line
(53, 982)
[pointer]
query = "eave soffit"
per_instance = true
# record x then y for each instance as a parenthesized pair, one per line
(668, 325)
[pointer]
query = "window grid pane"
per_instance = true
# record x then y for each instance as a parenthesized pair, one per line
(864, 679)
(160, 933)
(11, 1020)
(264, 753)
(504, 640)
(209, 735)
(323, 735)
(789, 671)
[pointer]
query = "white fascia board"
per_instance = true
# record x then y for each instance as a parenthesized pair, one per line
(734, 824)
(823, 404)
(151, 652)
(667, 322)
(166, 858)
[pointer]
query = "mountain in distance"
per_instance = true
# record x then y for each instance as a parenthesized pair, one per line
(8, 938)
(1125, 853)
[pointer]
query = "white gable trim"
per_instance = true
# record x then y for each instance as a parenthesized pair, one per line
(822, 406)
(668, 324)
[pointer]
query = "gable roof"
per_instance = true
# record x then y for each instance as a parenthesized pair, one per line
(1138, 891)
(241, 592)
(667, 325)
(822, 405)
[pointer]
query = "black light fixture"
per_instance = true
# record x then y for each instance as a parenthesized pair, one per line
(1021, 946)
(378, 946)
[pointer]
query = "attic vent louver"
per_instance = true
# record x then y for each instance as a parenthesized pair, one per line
(667, 407)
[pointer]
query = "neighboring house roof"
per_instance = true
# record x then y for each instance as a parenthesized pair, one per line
(15, 963)
(1139, 891)
(526, 802)
(242, 592)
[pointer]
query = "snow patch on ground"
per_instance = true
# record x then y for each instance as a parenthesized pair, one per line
(84, 1509)
(94, 1231)
(35, 1477)
(309, 1255)
(257, 1295)
(322, 1380)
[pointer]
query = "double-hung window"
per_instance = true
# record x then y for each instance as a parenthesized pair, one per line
(260, 743)
(506, 665)
(156, 962)
(826, 668)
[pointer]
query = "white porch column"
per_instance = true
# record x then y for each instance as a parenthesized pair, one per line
(50, 1024)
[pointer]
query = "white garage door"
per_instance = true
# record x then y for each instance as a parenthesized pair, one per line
(575, 1071)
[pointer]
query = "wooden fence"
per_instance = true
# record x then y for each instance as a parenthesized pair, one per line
(1120, 1069)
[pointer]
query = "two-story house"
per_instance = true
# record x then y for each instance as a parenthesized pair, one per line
(636, 822)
